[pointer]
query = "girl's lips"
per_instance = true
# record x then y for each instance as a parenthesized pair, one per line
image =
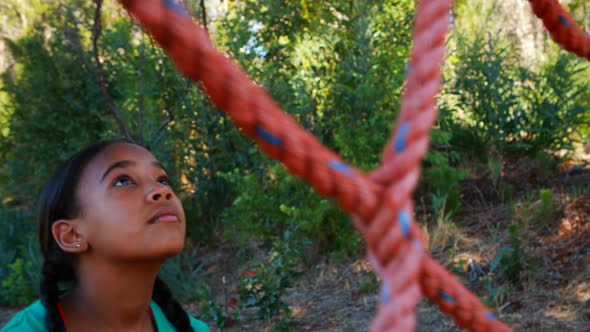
(167, 218)
(164, 215)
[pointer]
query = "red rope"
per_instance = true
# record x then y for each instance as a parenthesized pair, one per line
(381, 201)
(563, 29)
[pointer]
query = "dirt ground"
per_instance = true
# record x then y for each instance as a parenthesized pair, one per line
(334, 297)
(328, 299)
(343, 296)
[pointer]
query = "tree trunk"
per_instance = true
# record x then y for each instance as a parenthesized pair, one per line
(585, 15)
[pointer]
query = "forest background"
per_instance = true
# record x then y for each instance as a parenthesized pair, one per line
(509, 142)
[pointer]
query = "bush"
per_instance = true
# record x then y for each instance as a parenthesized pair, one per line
(547, 209)
(276, 203)
(16, 289)
(20, 284)
(441, 178)
(20, 258)
(181, 274)
(266, 283)
(503, 107)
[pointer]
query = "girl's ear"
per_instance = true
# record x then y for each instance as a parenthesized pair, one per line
(67, 237)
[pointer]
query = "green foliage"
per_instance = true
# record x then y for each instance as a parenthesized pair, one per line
(557, 111)
(506, 193)
(509, 265)
(547, 209)
(51, 101)
(496, 293)
(54, 102)
(212, 312)
(20, 258)
(204, 208)
(511, 262)
(368, 79)
(20, 278)
(579, 190)
(16, 290)
(369, 285)
(503, 107)
(270, 281)
(276, 203)
(265, 285)
(495, 290)
(443, 231)
(442, 178)
(15, 225)
(495, 166)
(512, 258)
(181, 274)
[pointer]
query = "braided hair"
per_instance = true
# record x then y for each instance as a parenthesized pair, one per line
(59, 201)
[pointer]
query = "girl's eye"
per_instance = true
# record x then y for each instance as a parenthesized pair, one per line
(164, 180)
(122, 181)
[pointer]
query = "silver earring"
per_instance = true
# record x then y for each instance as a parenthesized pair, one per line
(78, 245)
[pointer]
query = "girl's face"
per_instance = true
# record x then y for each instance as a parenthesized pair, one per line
(128, 209)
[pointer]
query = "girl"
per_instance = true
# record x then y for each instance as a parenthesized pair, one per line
(108, 219)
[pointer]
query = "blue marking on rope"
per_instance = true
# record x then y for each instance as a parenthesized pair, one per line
(490, 315)
(171, 4)
(385, 292)
(342, 167)
(400, 141)
(446, 297)
(404, 221)
(564, 21)
(268, 137)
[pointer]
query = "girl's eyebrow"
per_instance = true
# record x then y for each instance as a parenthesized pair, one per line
(127, 163)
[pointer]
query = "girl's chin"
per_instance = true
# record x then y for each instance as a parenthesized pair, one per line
(156, 253)
(170, 251)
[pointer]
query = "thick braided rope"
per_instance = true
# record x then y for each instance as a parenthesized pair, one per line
(563, 29)
(380, 202)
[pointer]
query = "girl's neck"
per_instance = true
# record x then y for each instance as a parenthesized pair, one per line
(112, 297)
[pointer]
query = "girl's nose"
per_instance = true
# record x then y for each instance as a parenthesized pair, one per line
(160, 192)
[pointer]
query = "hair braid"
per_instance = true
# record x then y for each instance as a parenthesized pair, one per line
(50, 296)
(171, 308)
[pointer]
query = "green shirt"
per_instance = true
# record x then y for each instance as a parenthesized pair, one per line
(32, 319)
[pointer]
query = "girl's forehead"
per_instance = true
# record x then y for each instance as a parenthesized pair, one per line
(124, 151)
(117, 153)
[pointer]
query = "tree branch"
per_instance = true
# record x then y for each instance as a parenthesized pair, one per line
(167, 107)
(170, 110)
(204, 15)
(73, 36)
(95, 35)
(585, 15)
(141, 88)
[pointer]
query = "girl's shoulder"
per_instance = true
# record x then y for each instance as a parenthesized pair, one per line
(31, 318)
(198, 325)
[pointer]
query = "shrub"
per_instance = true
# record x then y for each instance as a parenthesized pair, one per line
(504, 107)
(181, 274)
(20, 285)
(16, 289)
(276, 203)
(265, 285)
(20, 258)
(547, 209)
(441, 178)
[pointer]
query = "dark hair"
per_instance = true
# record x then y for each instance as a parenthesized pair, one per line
(59, 201)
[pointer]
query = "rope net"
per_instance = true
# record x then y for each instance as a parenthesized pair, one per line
(380, 202)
